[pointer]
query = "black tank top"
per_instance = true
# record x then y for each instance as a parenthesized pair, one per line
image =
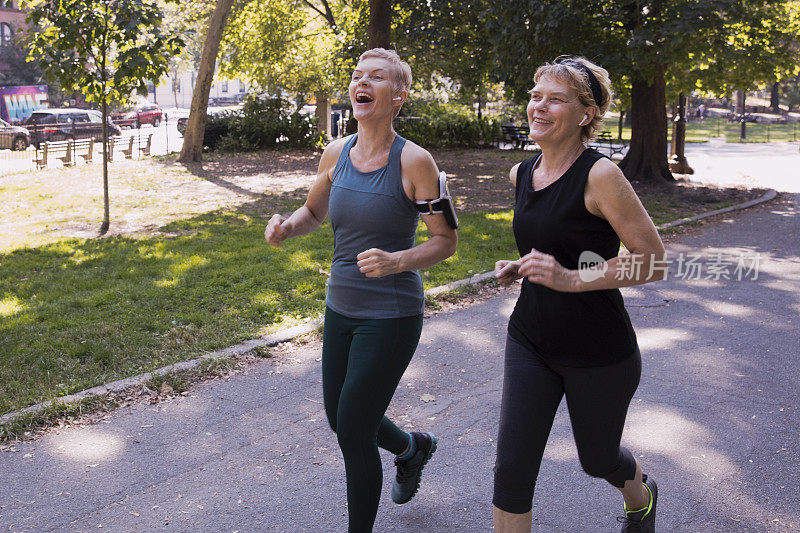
(581, 329)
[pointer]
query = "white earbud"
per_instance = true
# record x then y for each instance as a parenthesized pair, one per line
(584, 120)
(396, 98)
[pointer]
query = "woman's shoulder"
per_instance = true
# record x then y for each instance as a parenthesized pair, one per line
(417, 160)
(512, 174)
(331, 153)
(414, 154)
(335, 147)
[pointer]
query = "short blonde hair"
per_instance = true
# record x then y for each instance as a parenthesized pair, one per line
(400, 70)
(564, 70)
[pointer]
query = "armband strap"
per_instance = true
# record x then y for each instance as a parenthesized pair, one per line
(442, 205)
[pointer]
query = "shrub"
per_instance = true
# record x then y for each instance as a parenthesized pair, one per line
(217, 127)
(438, 125)
(268, 123)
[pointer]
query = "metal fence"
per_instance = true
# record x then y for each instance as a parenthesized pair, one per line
(129, 142)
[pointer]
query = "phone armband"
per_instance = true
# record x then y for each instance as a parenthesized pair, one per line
(443, 204)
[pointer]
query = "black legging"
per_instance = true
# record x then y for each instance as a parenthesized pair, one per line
(362, 363)
(597, 399)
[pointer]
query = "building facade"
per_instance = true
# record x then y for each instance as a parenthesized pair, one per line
(176, 91)
(12, 25)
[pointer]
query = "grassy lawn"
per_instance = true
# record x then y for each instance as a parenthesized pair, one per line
(697, 132)
(79, 312)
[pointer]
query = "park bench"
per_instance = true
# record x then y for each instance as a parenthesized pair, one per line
(516, 135)
(126, 146)
(605, 141)
(66, 151)
(146, 148)
(123, 144)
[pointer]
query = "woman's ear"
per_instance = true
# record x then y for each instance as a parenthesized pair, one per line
(589, 116)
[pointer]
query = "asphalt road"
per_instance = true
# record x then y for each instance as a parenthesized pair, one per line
(715, 421)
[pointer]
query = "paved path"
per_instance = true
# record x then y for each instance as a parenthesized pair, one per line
(715, 421)
(768, 165)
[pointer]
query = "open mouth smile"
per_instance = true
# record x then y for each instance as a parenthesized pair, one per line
(363, 98)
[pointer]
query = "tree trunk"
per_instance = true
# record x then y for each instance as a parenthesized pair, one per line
(106, 213)
(741, 104)
(323, 113)
(620, 123)
(775, 98)
(380, 24)
(196, 127)
(677, 162)
(647, 156)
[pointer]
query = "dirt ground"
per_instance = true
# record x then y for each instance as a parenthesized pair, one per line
(48, 205)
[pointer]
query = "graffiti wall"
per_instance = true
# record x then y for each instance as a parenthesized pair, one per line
(17, 103)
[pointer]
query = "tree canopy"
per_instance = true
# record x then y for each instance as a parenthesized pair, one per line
(644, 43)
(288, 45)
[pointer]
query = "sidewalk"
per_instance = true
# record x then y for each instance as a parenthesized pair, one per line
(715, 421)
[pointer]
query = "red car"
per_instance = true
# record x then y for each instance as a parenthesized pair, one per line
(144, 114)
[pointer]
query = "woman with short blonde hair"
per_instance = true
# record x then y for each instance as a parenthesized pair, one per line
(370, 183)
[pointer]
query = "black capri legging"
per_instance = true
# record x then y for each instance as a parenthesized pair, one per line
(597, 399)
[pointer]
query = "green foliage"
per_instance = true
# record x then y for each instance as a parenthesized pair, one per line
(262, 123)
(710, 44)
(217, 128)
(446, 38)
(102, 48)
(790, 91)
(287, 45)
(437, 125)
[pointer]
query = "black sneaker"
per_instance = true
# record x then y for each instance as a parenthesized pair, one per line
(642, 520)
(409, 472)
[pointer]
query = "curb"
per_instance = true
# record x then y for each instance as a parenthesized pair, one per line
(303, 329)
(769, 195)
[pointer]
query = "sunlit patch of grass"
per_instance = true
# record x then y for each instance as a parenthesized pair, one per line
(10, 305)
(79, 313)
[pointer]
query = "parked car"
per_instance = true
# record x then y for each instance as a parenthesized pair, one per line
(143, 114)
(13, 137)
(67, 123)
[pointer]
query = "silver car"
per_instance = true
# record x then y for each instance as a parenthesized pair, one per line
(13, 137)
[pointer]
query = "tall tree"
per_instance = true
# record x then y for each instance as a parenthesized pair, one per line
(643, 43)
(104, 49)
(380, 24)
(192, 149)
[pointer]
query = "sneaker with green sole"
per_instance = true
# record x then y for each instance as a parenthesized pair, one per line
(642, 520)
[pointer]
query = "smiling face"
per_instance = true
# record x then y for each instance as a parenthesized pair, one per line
(554, 112)
(372, 90)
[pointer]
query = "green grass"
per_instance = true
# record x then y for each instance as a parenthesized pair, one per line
(698, 132)
(79, 313)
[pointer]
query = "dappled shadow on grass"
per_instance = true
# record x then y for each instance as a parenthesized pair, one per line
(83, 312)
(79, 313)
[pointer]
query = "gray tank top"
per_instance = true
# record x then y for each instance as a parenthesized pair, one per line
(371, 210)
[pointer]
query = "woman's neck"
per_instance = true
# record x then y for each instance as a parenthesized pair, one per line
(556, 157)
(375, 137)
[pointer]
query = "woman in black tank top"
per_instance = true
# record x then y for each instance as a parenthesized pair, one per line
(570, 335)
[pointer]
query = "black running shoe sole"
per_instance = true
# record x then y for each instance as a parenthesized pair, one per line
(428, 456)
